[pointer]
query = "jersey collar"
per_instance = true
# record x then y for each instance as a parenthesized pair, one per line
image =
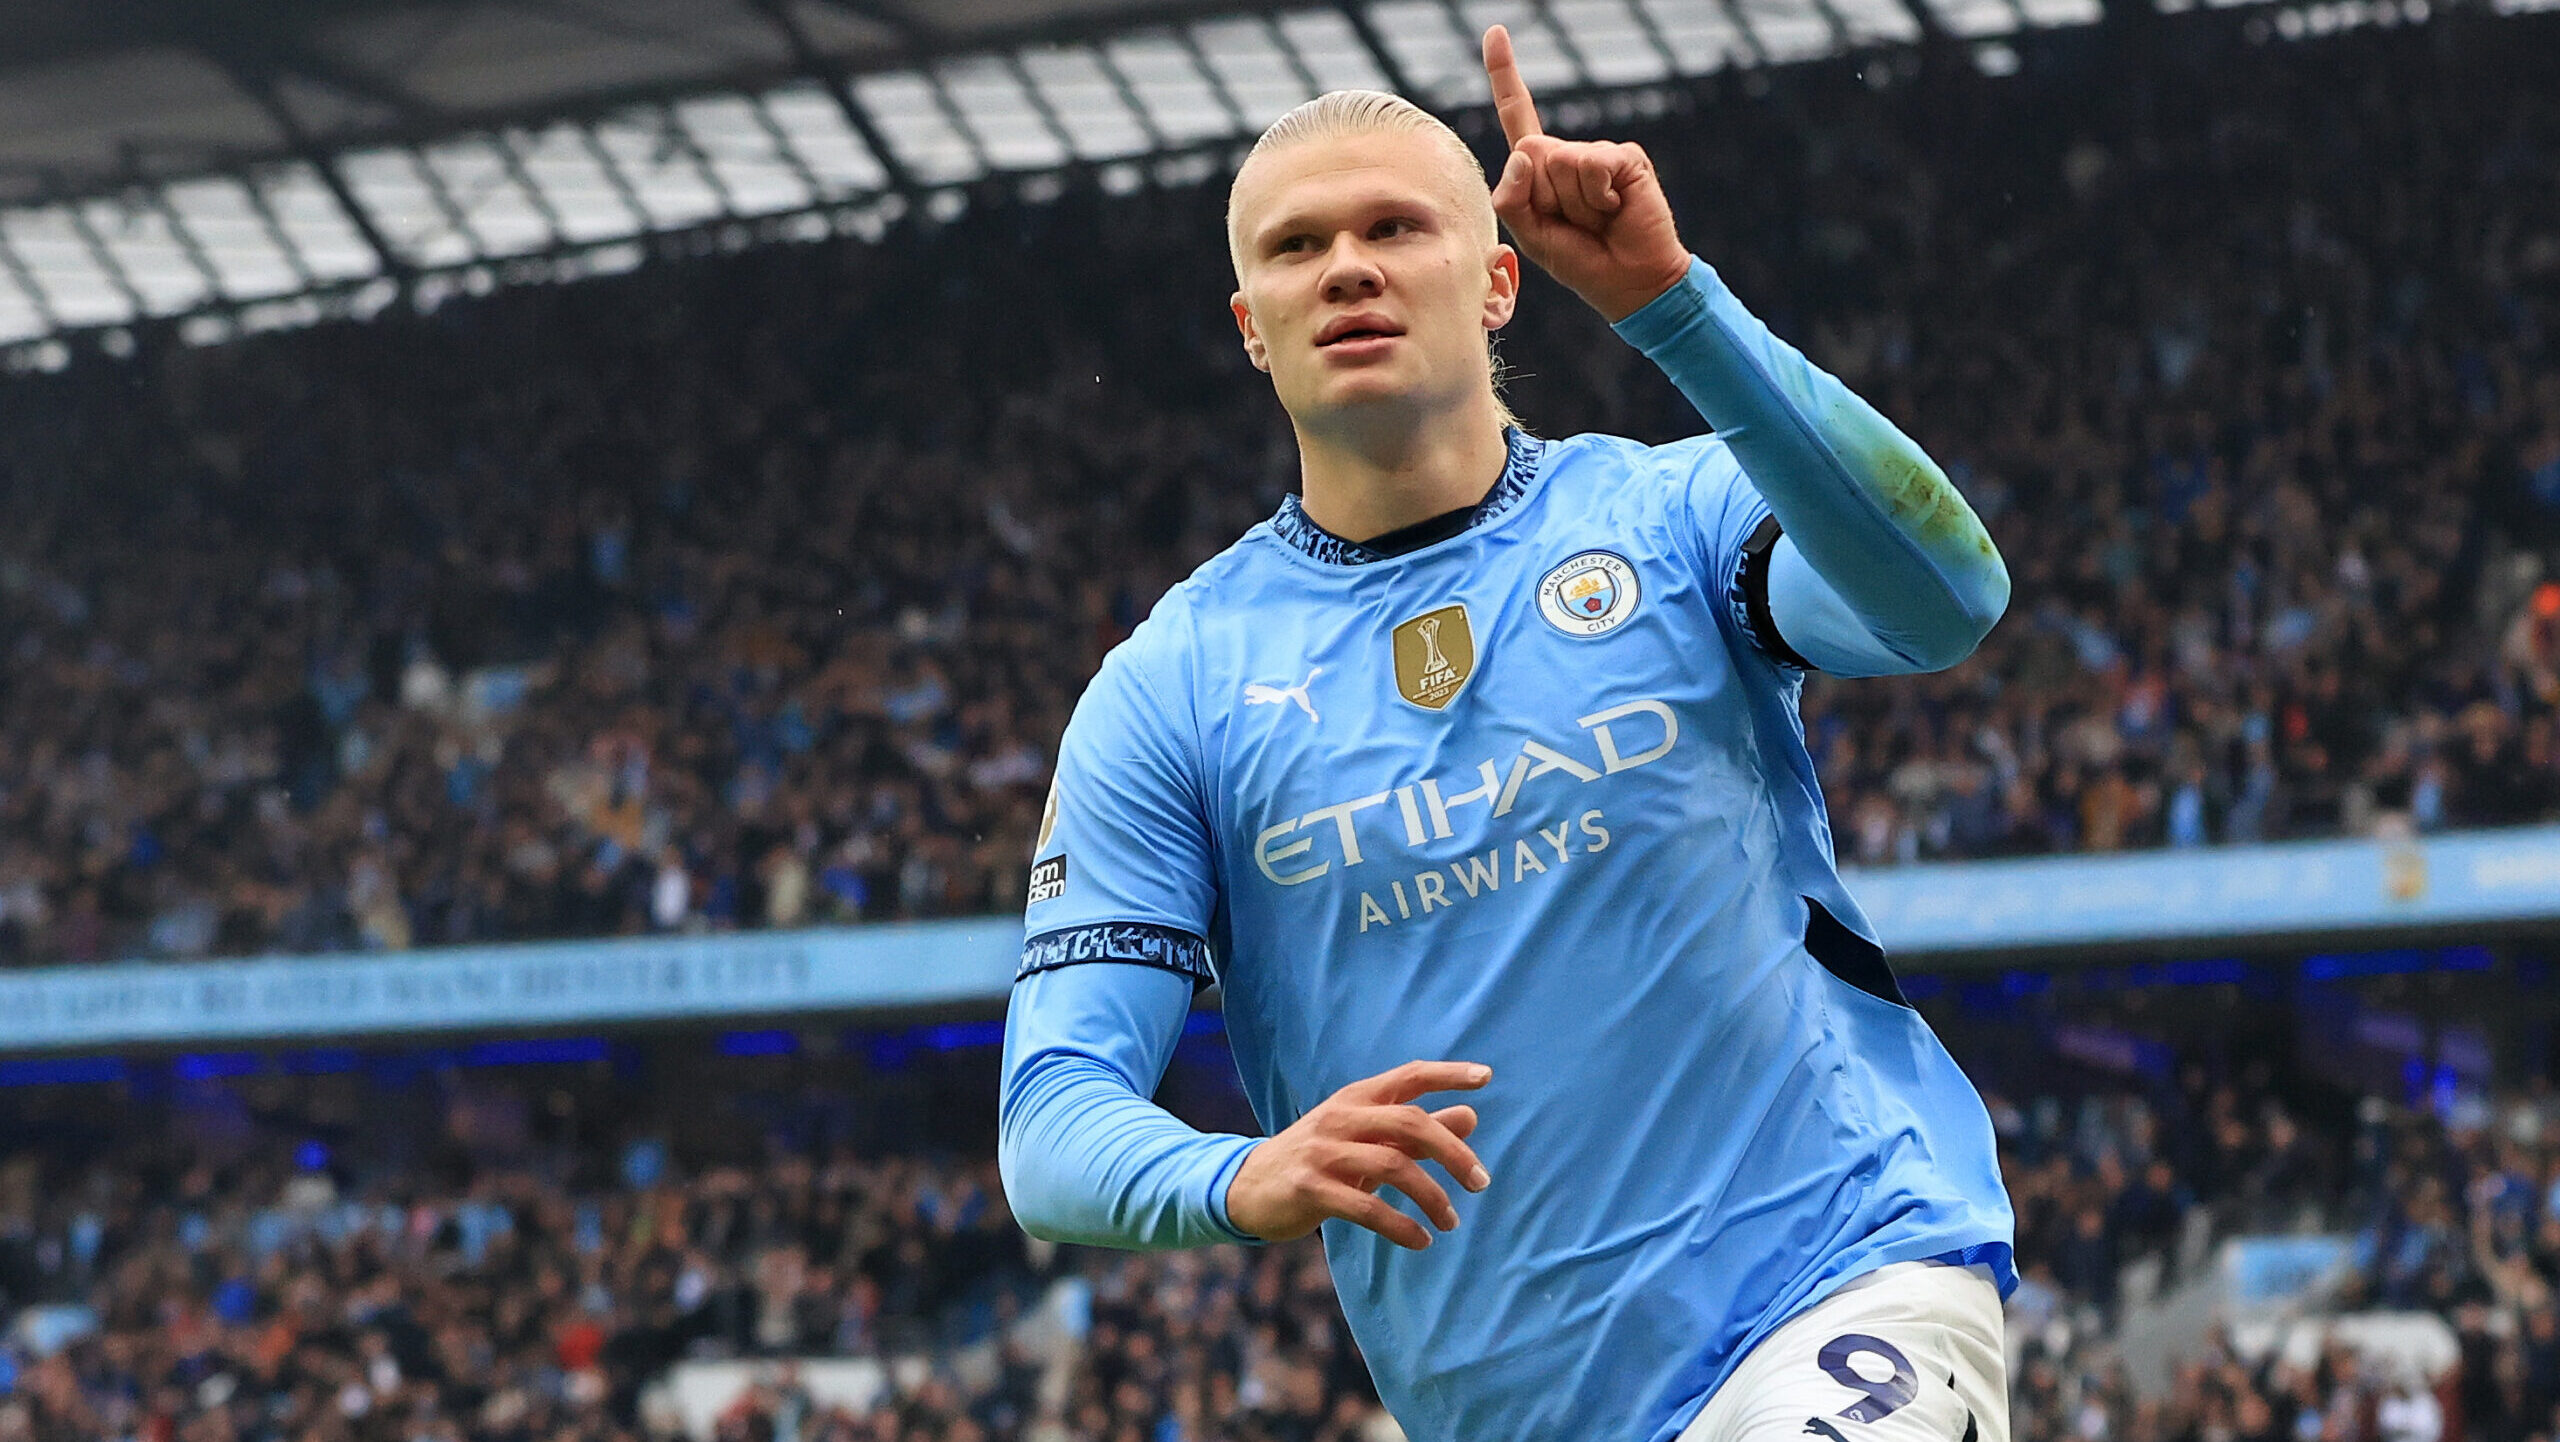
(1299, 533)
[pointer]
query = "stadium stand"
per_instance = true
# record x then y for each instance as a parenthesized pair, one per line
(751, 590)
(511, 1302)
(407, 1248)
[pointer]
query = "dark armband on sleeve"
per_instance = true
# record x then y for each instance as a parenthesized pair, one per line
(1749, 597)
(1136, 942)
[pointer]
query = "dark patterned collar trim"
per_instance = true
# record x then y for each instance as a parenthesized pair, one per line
(1296, 531)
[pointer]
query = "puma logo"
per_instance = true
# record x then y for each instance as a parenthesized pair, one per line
(1258, 694)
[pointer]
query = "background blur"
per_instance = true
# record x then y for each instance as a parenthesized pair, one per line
(545, 547)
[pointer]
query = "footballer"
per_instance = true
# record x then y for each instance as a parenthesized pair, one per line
(1484, 751)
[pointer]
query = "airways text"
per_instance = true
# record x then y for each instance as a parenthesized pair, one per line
(1482, 874)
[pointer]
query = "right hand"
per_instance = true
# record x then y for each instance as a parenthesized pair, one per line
(1331, 1162)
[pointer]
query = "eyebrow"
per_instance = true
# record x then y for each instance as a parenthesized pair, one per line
(1297, 220)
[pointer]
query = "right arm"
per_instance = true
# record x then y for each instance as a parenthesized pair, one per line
(1086, 1156)
(1126, 886)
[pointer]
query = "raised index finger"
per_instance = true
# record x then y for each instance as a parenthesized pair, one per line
(1510, 93)
(1418, 1078)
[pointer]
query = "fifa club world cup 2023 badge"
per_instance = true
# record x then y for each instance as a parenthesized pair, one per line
(1435, 653)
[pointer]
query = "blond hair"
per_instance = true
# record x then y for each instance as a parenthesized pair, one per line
(1348, 114)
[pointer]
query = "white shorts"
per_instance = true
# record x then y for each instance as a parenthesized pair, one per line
(1907, 1353)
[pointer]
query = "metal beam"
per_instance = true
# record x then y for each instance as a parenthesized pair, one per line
(1379, 54)
(1288, 51)
(1217, 82)
(1841, 39)
(260, 87)
(789, 152)
(680, 139)
(157, 197)
(456, 219)
(1565, 45)
(1742, 25)
(818, 67)
(1128, 93)
(276, 236)
(980, 145)
(513, 165)
(1932, 29)
(16, 266)
(629, 194)
(105, 259)
(912, 32)
(1041, 107)
(1652, 33)
(279, 56)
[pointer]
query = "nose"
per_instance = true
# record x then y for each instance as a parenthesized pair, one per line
(1350, 271)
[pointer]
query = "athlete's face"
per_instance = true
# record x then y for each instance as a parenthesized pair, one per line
(1368, 273)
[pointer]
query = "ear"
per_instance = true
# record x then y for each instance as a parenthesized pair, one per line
(1254, 350)
(1502, 296)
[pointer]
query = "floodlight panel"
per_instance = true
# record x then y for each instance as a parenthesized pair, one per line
(1000, 111)
(77, 289)
(1087, 102)
(234, 239)
(1615, 48)
(743, 154)
(813, 123)
(902, 104)
(137, 235)
(1177, 97)
(318, 228)
(654, 160)
(498, 212)
(1247, 59)
(1700, 35)
(1331, 50)
(586, 203)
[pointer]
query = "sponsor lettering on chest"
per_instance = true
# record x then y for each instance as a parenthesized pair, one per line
(1541, 781)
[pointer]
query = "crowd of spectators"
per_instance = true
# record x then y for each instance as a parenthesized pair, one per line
(207, 1268)
(280, 1297)
(247, 1284)
(753, 590)
(2454, 1212)
(2261, 401)
(195, 1279)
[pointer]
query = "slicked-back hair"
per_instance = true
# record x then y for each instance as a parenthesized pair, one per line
(1348, 114)
(1344, 114)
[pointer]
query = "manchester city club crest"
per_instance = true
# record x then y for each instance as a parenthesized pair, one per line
(1589, 594)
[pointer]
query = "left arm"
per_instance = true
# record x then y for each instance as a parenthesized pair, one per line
(1882, 566)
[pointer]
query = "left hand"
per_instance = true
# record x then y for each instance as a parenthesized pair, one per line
(1591, 213)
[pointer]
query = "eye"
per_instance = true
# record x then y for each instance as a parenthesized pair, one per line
(1393, 226)
(1292, 245)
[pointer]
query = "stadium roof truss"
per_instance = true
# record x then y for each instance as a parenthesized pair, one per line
(266, 162)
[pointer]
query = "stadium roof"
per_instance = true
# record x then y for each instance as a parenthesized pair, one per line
(216, 163)
(151, 88)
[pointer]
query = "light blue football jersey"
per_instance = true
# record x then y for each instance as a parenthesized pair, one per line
(1531, 796)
